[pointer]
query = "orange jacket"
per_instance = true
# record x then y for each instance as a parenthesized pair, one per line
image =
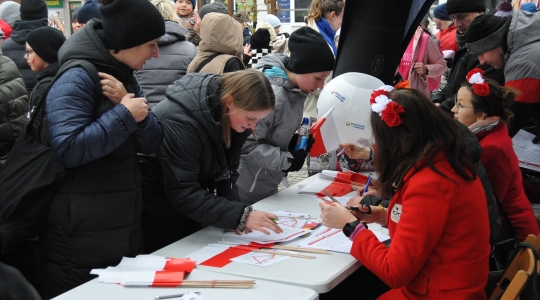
(447, 38)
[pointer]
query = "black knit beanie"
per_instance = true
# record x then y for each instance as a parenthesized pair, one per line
(89, 11)
(309, 52)
(465, 6)
(486, 32)
(33, 10)
(130, 23)
(260, 39)
(46, 41)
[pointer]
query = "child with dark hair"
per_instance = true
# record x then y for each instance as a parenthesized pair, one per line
(482, 105)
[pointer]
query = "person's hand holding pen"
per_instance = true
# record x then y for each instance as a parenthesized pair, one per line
(262, 221)
(356, 151)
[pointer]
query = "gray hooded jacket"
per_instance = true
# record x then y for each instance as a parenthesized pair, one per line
(175, 54)
(263, 160)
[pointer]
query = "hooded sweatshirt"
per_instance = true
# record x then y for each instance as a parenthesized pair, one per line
(175, 54)
(264, 158)
(220, 34)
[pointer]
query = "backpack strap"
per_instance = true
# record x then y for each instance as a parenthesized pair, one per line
(205, 62)
(88, 67)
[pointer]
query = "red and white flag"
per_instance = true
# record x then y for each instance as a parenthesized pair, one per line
(325, 134)
(334, 182)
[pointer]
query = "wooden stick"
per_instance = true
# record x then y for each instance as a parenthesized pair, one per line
(284, 253)
(300, 249)
(243, 284)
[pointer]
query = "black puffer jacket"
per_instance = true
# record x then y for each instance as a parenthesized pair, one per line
(13, 106)
(15, 48)
(193, 157)
(462, 64)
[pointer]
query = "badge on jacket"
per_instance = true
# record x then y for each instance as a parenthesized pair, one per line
(395, 215)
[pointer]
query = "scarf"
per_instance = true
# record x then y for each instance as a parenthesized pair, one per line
(327, 32)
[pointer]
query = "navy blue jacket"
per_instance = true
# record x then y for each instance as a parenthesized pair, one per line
(95, 216)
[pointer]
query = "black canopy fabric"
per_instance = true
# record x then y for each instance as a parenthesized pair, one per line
(375, 34)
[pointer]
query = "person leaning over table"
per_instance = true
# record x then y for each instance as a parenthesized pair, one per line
(206, 119)
(437, 217)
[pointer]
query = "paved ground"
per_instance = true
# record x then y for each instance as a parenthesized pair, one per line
(295, 177)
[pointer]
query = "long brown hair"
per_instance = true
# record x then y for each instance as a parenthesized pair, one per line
(496, 103)
(425, 131)
(250, 91)
(319, 8)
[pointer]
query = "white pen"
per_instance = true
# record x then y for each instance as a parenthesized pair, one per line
(172, 296)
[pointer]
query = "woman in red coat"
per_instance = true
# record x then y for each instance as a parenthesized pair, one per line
(481, 104)
(437, 216)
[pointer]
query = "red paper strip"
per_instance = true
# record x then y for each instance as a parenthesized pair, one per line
(335, 188)
(168, 279)
(179, 264)
(259, 245)
(224, 258)
(348, 177)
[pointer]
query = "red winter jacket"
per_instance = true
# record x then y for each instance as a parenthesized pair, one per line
(502, 166)
(440, 237)
(447, 38)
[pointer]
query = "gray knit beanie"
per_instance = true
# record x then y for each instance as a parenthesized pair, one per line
(485, 33)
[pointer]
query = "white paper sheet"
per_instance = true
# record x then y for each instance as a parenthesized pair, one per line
(528, 153)
(334, 240)
(257, 236)
(261, 259)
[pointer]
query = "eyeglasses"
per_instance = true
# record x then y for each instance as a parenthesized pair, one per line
(28, 52)
(458, 105)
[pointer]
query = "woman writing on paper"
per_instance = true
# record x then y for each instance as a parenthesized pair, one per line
(206, 119)
(482, 105)
(437, 216)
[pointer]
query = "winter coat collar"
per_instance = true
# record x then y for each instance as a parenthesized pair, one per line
(480, 135)
(173, 33)
(49, 71)
(194, 87)
(86, 44)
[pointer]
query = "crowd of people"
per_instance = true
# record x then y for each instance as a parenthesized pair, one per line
(168, 118)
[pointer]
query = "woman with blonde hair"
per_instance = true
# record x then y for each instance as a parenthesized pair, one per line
(175, 55)
(326, 17)
(206, 119)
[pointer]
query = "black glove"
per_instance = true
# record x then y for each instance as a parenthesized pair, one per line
(299, 157)
(310, 142)
(292, 143)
